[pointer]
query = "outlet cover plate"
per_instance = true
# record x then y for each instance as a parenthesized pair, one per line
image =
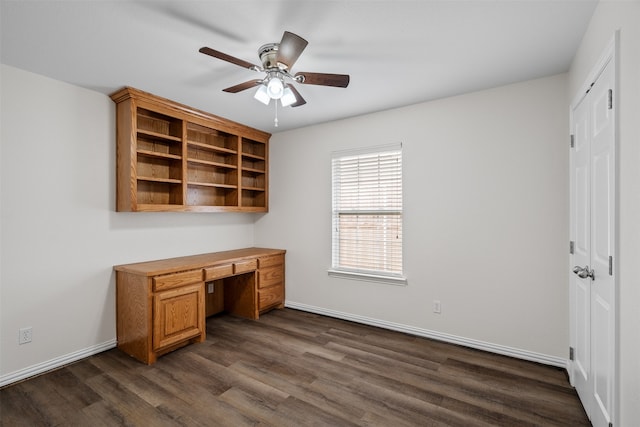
(25, 335)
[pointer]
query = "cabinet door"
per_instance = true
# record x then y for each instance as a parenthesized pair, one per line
(178, 315)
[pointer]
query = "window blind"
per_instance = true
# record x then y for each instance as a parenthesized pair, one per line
(367, 211)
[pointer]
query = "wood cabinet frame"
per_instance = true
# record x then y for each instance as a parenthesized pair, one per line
(171, 157)
(162, 305)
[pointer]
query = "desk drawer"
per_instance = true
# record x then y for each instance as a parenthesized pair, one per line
(270, 276)
(218, 272)
(270, 296)
(271, 260)
(245, 266)
(176, 279)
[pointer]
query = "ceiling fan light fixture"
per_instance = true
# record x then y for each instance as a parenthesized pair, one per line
(288, 97)
(277, 60)
(275, 87)
(262, 95)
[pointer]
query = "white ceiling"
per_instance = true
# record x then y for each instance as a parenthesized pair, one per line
(396, 52)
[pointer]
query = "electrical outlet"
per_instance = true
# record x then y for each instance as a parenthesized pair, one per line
(437, 308)
(210, 288)
(25, 335)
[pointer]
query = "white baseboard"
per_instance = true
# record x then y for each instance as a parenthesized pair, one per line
(55, 363)
(58, 362)
(453, 339)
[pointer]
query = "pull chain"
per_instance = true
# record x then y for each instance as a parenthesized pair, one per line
(275, 121)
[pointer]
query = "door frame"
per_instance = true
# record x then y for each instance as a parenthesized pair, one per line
(610, 56)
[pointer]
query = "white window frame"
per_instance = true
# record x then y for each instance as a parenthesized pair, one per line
(392, 210)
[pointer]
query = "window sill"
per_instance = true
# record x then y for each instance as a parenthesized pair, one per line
(390, 280)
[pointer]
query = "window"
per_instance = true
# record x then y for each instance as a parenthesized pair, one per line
(367, 214)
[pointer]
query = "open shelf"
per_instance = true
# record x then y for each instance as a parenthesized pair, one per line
(212, 138)
(158, 155)
(173, 157)
(253, 174)
(254, 165)
(154, 179)
(211, 148)
(156, 135)
(205, 173)
(253, 198)
(216, 164)
(207, 184)
(210, 195)
(253, 181)
(256, 149)
(159, 125)
(155, 192)
(151, 144)
(159, 166)
(197, 153)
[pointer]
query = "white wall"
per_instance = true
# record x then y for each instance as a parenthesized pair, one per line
(60, 232)
(608, 17)
(486, 218)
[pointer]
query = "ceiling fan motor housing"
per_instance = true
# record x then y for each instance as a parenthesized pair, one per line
(268, 54)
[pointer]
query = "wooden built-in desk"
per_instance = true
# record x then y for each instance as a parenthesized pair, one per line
(162, 305)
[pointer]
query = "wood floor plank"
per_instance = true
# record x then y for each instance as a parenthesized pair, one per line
(394, 353)
(256, 406)
(292, 368)
(17, 408)
(125, 405)
(231, 379)
(403, 406)
(102, 414)
(354, 404)
(531, 393)
(51, 406)
(295, 412)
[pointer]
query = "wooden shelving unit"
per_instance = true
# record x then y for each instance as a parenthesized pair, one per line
(171, 157)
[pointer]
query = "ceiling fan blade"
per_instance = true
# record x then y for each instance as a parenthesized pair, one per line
(291, 46)
(228, 58)
(242, 86)
(323, 79)
(299, 99)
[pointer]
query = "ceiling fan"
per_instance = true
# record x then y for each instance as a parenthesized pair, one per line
(277, 60)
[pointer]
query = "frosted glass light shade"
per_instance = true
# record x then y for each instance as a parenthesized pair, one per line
(275, 88)
(288, 97)
(262, 95)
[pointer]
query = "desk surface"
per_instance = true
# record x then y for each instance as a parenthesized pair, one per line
(172, 265)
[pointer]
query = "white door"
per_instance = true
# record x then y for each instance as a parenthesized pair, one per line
(581, 237)
(592, 231)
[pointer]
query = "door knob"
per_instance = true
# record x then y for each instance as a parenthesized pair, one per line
(584, 272)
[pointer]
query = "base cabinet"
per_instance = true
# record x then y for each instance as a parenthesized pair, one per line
(162, 305)
(271, 282)
(178, 315)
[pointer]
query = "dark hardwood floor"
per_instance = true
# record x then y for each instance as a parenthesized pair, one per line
(292, 368)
